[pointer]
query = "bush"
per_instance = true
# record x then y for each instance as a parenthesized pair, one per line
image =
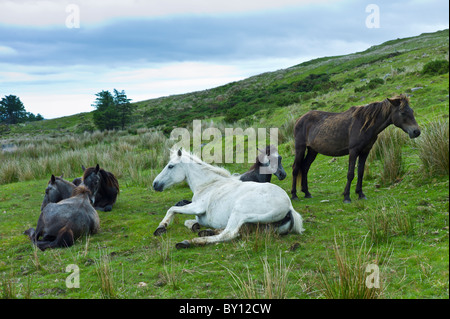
(436, 67)
(388, 149)
(433, 148)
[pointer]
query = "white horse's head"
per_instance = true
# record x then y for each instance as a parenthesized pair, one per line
(173, 173)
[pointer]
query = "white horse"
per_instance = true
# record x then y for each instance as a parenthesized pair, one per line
(223, 202)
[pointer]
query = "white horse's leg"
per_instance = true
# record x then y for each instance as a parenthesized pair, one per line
(232, 230)
(192, 224)
(190, 209)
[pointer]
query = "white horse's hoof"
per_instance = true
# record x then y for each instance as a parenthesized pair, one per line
(183, 244)
(195, 227)
(159, 231)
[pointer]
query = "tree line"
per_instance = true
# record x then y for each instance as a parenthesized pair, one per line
(112, 110)
(12, 111)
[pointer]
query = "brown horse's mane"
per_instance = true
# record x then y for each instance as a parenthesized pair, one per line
(269, 149)
(370, 112)
(107, 179)
(80, 190)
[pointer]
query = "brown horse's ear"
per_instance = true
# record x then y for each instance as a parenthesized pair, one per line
(97, 168)
(83, 168)
(179, 153)
(53, 179)
(395, 101)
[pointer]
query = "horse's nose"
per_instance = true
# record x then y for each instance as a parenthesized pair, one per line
(416, 132)
(158, 186)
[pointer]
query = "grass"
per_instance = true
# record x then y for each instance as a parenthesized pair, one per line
(433, 148)
(404, 221)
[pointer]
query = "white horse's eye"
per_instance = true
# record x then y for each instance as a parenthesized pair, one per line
(170, 166)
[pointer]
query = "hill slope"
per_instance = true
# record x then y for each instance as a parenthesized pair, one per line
(331, 83)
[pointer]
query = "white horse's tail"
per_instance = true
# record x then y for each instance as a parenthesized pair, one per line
(297, 227)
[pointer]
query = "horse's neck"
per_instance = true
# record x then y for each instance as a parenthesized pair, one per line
(255, 176)
(66, 189)
(381, 123)
(198, 177)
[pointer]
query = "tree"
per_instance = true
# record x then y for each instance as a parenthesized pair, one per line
(112, 111)
(124, 107)
(12, 110)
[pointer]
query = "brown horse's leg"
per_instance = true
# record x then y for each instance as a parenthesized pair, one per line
(63, 239)
(361, 162)
(310, 157)
(350, 175)
(297, 168)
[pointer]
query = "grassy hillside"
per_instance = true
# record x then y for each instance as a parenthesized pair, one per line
(402, 228)
(329, 83)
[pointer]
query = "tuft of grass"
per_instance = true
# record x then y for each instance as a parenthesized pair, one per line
(388, 149)
(433, 148)
(274, 284)
(105, 275)
(8, 286)
(351, 281)
(387, 221)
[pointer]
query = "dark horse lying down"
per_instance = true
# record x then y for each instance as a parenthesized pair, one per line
(352, 133)
(57, 190)
(266, 164)
(60, 224)
(103, 185)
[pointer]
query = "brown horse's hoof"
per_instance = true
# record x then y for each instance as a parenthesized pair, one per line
(294, 197)
(347, 201)
(183, 245)
(206, 233)
(159, 231)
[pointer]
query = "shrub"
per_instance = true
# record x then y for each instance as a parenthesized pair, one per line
(436, 67)
(433, 148)
(388, 150)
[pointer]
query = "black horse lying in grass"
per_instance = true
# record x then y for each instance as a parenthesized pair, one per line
(103, 185)
(60, 224)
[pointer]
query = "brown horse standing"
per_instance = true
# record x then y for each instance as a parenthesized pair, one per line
(352, 133)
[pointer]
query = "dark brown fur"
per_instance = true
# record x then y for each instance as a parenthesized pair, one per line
(352, 133)
(108, 188)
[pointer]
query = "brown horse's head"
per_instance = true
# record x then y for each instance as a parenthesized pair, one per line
(402, 116)
(91, 179)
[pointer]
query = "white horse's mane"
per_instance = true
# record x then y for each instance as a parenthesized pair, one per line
(192, 158)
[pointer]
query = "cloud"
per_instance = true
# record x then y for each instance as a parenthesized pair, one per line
(55, 12)
(156, 48)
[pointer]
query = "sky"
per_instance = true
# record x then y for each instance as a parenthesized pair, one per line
(55, 55)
